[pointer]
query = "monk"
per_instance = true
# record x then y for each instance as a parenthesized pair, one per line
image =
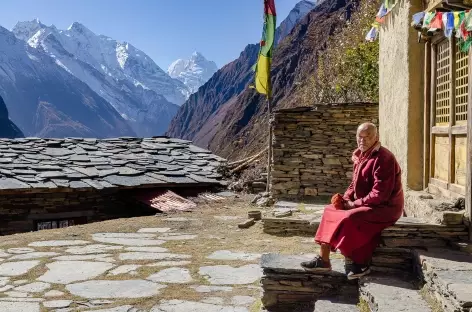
(354, 221)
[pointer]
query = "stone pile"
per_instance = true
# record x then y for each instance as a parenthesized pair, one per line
(313, 146)
(288, 286)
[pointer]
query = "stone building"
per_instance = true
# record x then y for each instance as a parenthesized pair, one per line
(51, 183)
(424, 111)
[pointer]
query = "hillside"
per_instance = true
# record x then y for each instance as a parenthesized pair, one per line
(238, 126)
(193, 120)
(7, 128)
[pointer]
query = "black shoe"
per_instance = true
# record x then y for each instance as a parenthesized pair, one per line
(316, 265)
(357, 271)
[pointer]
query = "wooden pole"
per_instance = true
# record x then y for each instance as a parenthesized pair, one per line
(468, 189)
(269, 152)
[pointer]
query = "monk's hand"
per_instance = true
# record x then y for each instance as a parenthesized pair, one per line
(348, 205)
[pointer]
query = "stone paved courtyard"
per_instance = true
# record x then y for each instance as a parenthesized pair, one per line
(197, 261)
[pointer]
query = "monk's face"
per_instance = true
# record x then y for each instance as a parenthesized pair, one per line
(366, 138)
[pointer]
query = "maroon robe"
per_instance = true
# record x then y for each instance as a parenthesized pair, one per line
(377, 193)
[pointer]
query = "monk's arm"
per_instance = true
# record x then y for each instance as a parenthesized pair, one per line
(384, 183)
(349, 194)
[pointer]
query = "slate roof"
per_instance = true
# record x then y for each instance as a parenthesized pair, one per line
(34, 163)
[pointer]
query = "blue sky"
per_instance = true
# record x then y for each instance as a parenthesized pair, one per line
(165, 29)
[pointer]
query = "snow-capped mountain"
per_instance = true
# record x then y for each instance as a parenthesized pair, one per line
(45, 100)
(123, 75)
(194, 72)
(296, 14)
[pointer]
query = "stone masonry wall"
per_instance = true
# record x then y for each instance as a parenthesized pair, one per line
(312, 148)
(20, 212)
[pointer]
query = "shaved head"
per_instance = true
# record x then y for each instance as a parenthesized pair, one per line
(367, 136)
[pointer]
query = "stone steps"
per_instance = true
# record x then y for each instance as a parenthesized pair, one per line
(407, 232)
(447, 276)
(392, 294)
(336, 304)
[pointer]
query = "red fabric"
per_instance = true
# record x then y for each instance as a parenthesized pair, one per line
(377, 193)
(269, 7)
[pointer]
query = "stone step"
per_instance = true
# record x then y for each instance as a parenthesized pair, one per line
(447, 275)
(392, 294)
(336, 305)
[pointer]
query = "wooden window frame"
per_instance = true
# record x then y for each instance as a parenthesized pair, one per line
(448, 128)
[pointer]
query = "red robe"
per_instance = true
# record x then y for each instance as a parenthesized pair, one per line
(376, 190)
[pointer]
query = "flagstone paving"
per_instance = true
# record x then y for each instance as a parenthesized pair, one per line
(171, 264)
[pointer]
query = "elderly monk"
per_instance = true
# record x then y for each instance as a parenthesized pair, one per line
(374, 201)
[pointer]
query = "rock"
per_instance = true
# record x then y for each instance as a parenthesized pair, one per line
(247, 224)
(226, 218)
(229, 255)
(389, 293)
(99, 257)
(152, 256)
(17, 268)
(22, 250)
(129, 241)
(19, 306)
(123, 235)
(36, 287)
(177, 237)
(34, 255)
(54, 293)
(147, 249)
(58, 243)
(282, 214)
(92, 249)
(169, 263)
(227, 275)
(243, 300)
(154, 230)
(453, 217)
(20, 282)
(213, 300)
(6, 288)
(179, 219)
(181, 305)
(57, 304)
(172, 275)
(17, 294)
(123, 269)
(102, 289)
(126, 308)
(60, 272)
(264, 202)
(207, 289)
(336, 305)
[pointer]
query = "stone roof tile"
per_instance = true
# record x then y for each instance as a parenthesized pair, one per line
(90, 163)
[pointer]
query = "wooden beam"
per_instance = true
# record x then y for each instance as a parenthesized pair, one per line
(452, 110)
(427, 113)
(432, 106)
(468, 188)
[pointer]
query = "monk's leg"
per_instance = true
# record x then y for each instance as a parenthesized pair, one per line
(323, 236)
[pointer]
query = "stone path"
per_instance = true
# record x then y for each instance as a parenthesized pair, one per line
(106, 271)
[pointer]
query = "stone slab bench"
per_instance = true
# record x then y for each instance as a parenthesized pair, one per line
(407, 232)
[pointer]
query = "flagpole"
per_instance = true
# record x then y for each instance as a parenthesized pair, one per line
(269, 156)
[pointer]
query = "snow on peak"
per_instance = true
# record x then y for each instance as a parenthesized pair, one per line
(193, 72)
(300, 10)
(25, 30)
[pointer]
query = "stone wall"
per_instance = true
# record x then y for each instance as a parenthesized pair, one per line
(21, 212)
(312, 148)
